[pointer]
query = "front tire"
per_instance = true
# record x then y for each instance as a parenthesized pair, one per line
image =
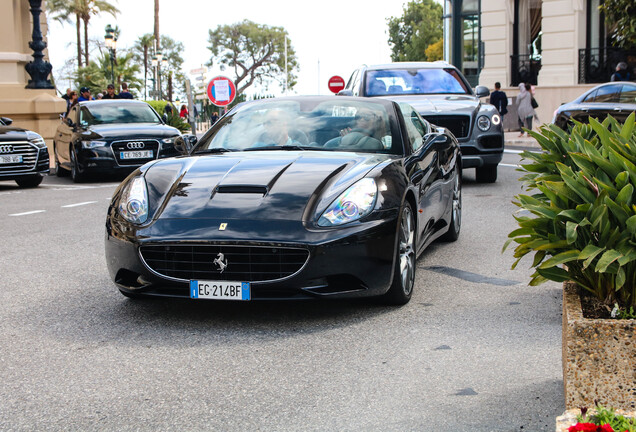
(29, 182)
(486, 174)
(76, 175)
(456, 212)
(404, 272)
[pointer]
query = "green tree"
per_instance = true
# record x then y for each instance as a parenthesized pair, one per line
(97, 76)
(411, 34)
(141, 50)
(621, 15)
(62, 11)
(256, 53)
(82, 10)
(435, 51)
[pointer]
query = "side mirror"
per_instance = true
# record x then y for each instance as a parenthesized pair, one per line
(7, 121)
(70, 122)
(440, 142)
(164, 118)
(482, 91)
(184, 143)
(344, 93)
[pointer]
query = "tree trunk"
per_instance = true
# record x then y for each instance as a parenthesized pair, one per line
(145, 72)
(157, 40)
(79, 41)
(86, 41)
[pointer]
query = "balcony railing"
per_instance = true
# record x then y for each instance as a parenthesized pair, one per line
(596, 65)
(524, 68)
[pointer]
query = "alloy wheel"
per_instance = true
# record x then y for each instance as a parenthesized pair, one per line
(407, 250)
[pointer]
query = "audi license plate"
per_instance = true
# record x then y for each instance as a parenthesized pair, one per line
(139, 154)
(220, 290)
(10, 159)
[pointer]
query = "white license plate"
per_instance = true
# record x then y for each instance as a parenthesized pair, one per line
(140, 154)
(10, 159)
(220, 290)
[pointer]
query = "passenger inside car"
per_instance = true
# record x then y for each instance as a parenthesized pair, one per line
(364, 133)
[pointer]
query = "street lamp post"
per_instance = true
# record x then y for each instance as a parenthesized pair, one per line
(111, 43)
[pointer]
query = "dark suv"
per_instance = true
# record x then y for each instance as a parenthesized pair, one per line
(441, 94)
(23, 155)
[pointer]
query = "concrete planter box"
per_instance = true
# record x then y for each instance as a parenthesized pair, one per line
(599, 358)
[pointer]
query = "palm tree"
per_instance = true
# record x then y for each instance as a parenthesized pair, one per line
(141, 48)
(98, 75)
(88, 8)
(62, 11)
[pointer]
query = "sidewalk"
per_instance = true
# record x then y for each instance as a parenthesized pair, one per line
(513, 141)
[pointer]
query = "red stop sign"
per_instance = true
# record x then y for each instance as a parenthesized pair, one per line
(336, 83)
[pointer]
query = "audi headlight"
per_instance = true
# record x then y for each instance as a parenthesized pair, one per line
(483, 123)
(133, 204)
(36, 139)
(353, 204)
(168, 140)
(93, 144)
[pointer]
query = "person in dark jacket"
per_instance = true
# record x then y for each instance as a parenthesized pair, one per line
(110, 92)
(621, 74)
(499, 99)
(124, 93)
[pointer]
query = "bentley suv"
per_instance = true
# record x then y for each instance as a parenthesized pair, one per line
(23, 155)
(111, 136)
(443, 96)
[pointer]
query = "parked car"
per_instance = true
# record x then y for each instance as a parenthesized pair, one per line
(443, 96)
(299, 197)
(110, 136)
(617, 99)
(23, 155)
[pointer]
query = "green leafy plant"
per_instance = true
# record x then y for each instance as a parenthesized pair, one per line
(605, 416)
(580, 222)
(173, 119)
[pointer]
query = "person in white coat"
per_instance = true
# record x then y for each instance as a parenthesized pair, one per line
(525, 112)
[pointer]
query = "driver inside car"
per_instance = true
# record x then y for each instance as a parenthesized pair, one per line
(366, 129)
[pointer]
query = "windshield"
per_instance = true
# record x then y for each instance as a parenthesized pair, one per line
(415, 81)
(112, 113)
(334, 125)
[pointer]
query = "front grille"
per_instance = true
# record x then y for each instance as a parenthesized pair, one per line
(122, 146)
(459, 125)
(244, 263)
(28, 152)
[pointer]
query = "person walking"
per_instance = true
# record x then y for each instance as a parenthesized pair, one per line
(85, 94)
(525, 111)
(621, 74)
(184, 112)
(110, 92)
(499, 99)
(124, 93)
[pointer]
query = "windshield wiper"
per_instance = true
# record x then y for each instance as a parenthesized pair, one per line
(214, 150)
(283, 147)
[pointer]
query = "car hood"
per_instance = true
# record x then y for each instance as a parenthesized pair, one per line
(272, 185)
(131, 131)
(440, 104)
(10, 133)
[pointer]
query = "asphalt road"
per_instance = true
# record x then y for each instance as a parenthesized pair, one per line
(476, 349)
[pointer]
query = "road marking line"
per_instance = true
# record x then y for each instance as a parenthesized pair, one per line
(510, 165)
(79, 204)
(28, 213)
(514, 151)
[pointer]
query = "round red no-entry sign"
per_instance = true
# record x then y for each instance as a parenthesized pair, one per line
(221, 91)
(336, 83)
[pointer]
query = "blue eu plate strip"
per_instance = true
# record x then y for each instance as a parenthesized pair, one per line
(245, 291)
(194, 289)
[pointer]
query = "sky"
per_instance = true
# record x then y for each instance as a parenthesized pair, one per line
(331, 37)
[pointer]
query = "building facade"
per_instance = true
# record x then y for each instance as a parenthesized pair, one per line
(559, 46)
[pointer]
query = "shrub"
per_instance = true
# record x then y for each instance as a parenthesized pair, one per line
(173, 119)
(583, 226)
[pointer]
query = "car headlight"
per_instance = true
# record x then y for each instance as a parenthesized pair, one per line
(483, 123)
(93, 144)
(353, 204)
(133, 204)
(168, 140)
(496, 119)
(36, 139)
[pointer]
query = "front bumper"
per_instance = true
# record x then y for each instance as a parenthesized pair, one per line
(103, 159)
(351, 262)
(36, 164)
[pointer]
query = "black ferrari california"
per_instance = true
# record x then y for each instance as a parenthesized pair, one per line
(290, 198)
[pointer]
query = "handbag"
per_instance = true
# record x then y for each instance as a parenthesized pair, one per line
(534, 103)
